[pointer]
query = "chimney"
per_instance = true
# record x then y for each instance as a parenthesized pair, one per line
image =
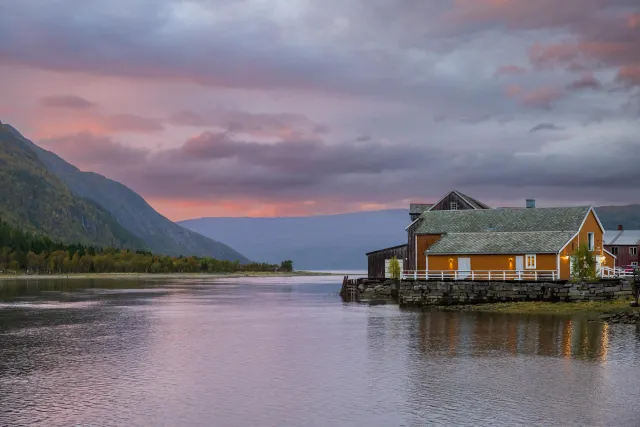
(531, 203)
(620, 227)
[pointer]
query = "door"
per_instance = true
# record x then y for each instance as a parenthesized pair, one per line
(598, 266)
(519, 266)
(464, 268)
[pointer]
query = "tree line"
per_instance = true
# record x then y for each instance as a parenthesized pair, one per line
(33, 253)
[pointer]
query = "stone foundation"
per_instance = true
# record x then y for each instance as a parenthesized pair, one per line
(423, 293)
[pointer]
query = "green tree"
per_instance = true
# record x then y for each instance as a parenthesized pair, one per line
(394, 268)
(287, 266)
(583, 264)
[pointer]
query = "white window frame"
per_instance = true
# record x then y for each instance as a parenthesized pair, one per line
(634, 264)
(633, 251)
(453, 206)
(526, 262)
(591, 240)
(614, 250)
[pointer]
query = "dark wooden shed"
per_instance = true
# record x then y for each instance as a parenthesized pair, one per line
(377, 260)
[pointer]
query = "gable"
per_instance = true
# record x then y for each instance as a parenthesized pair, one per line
(459, 201)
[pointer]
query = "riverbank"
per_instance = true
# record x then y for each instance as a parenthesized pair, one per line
(147, 276)
(593, 308)
(616, 311)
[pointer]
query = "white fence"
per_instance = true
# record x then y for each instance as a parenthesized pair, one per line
(481, 275)
(608, 272)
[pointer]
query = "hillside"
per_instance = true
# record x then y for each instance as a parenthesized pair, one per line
(612, 216)
(338, 241)
(330, 242)
(34, 199)
(131, 211)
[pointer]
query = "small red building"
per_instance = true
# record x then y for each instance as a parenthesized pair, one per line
(625, 245)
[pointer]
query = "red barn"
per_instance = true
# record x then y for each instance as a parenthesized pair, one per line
(625, 245)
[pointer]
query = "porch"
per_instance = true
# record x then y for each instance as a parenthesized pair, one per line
(482, 275)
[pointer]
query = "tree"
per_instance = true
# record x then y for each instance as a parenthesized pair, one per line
(583, 264)
(635, 284)
(286, 266)
(394, 268)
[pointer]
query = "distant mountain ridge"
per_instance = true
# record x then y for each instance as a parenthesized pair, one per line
(128, 210)
(339, 242)
(34, 199)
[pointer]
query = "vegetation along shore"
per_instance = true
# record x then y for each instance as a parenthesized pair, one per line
(604, 310)
(24, 252)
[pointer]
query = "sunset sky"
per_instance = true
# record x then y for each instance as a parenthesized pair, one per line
(293, 107)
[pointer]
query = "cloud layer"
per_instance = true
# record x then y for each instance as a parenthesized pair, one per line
(211, 107)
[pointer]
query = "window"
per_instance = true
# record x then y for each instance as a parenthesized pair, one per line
(634, 264)
(530, 261)
(614, 250)
(592, 241)
(453, 206)
(633, 251)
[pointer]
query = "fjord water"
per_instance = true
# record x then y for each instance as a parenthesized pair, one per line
(289, 352)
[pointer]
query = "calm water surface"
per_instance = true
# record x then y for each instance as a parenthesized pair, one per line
(288, 352)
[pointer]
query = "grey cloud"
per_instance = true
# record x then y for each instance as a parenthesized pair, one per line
(587, 81)
(67, 101)
(545, 126)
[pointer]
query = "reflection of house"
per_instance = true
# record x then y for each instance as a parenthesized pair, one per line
(524, 243)
(461, 237)
(625, 245)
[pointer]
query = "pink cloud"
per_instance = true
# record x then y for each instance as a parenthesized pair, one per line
(629, 75)
(541, 98)
(509, 70)
(67, 101)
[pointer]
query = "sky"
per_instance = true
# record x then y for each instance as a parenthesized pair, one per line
(299, 107)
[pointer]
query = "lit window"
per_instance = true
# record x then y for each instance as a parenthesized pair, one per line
(633, 251)
(592, 241)
(454, 206)
(530, 261)
(614, 250)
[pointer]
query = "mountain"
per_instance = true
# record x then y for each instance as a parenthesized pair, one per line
(627, 216)
(338, 242)
(127, 209)
(34, 199)
(328, 242)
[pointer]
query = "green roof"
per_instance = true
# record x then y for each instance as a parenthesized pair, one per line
(503, 220)
(531, 242)
(418, 208)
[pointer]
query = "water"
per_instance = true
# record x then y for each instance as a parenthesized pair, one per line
(288, 352)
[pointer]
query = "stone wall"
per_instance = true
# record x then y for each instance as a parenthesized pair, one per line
(421, 293)
(448, 293)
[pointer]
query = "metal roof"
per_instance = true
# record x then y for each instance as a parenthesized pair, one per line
(503, 220)
(418, 208)
(622, 237)
(533, 242)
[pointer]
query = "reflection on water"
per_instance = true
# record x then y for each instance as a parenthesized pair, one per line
(483, 334)
(289, 352)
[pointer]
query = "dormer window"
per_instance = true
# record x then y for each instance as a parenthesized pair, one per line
(453, 206)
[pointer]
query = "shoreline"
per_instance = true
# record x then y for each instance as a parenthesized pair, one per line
(74, 276)
(591, 308)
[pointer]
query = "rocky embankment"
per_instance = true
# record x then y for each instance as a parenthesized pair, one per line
(626, 317)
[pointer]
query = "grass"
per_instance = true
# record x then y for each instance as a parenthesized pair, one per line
(539, 307)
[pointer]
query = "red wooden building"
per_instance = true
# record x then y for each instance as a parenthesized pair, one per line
(625, 245)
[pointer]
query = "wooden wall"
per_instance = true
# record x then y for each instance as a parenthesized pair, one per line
(376, 260)
(445, 204)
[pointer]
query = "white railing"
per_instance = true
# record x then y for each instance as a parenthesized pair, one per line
(608, 272)
(481, 275)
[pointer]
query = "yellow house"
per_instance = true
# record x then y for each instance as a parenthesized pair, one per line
(509, 244)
